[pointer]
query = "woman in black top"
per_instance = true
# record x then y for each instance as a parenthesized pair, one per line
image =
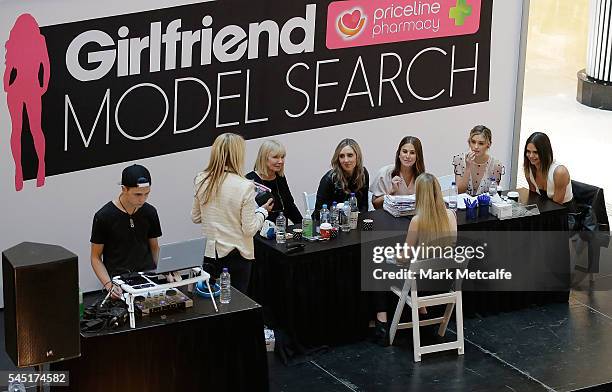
(346, 176)
(270, 171)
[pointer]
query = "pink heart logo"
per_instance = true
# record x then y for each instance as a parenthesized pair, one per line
(351, 20)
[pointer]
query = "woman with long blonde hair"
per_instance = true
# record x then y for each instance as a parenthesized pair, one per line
(224, 204)
(433, 224)
(347, 175)
(433, 221)
(269, 170)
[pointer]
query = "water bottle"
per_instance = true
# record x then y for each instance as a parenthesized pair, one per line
(324, 215)
(281, 227)
(307, 225)
(226, 287)
(334, 215)
(345, 217)
(492, 187)
(354, 211)
(452, 199)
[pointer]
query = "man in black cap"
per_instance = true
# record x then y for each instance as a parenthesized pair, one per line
(125, 230)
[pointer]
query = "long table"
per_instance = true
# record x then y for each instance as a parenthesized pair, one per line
(315, 296)
(194, 349)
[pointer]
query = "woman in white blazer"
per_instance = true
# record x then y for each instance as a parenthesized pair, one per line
(224, 204)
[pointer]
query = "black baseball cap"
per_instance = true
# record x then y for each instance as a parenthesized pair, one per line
(135, 176)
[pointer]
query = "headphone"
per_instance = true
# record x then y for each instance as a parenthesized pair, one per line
(202, 290)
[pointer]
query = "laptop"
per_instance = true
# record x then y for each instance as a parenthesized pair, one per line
(181, 255)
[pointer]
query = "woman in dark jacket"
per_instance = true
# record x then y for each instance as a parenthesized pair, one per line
(270, 171)
(346, 176)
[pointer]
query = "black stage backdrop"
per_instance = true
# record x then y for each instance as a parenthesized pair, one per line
(109, 101)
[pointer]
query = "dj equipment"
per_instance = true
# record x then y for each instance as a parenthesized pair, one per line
(180, 255)
(171, 299)
(41, 303)
(144, 287)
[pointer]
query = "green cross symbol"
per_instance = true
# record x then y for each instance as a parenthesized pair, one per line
(461, 11)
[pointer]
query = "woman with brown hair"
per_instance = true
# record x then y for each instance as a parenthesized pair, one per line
(346, 176)
(399, 179)
(224, 204)
(544, 175)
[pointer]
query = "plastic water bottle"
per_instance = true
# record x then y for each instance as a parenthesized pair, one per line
(324, 215)
(307, 225)
(354, 211)
(281, 228)
(452, 199)
(345, 217)
(226, 287)
(334, 215)
(492, 187)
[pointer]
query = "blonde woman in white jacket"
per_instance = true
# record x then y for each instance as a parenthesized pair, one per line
(224, 204)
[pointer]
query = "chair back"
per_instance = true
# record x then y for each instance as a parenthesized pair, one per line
(370, 205)
(309, 200)
(438, 274)
(591, 207)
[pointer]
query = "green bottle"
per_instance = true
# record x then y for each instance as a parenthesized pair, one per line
(307, 226)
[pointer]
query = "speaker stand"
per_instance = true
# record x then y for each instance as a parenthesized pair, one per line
(40, 387)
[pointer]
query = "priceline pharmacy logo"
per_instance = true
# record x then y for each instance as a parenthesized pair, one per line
(351, 23)
(365, 22)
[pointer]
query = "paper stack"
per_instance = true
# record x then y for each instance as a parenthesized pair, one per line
(399, 205)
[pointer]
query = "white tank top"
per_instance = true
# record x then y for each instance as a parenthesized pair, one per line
(550, 184)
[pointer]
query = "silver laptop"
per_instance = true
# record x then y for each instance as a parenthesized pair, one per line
(182, 255)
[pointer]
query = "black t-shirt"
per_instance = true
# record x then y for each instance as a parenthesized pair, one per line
(126, 249)
(283, 200)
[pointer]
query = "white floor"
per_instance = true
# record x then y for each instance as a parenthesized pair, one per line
(556, 49)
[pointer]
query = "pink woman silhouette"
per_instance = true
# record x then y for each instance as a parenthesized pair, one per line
(26, 58)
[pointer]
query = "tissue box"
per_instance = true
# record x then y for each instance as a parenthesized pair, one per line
(501, 210)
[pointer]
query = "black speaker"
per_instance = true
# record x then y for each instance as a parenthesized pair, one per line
(41, 303)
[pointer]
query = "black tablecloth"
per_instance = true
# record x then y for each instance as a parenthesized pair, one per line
(194, 349)
(315, 297)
